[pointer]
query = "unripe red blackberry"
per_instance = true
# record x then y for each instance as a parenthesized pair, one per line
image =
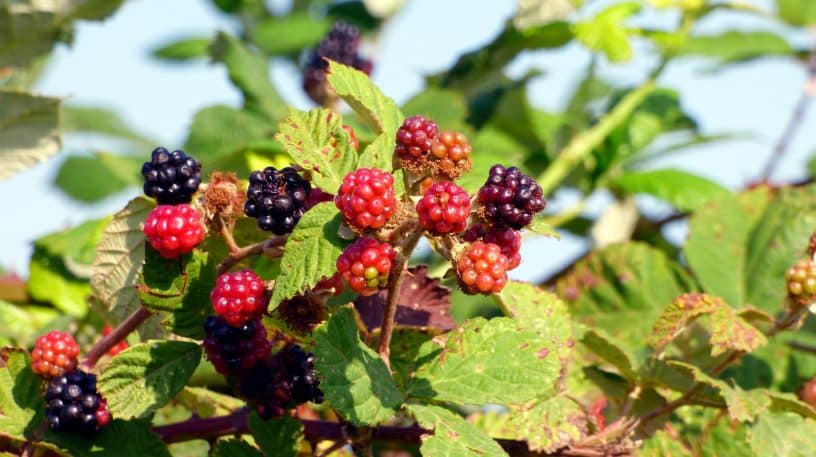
(445, 208)
(366, 198)
(174, 230)
(366, 264)
(341, 45)
(281, 382)
(73, 404)
(481, 268)
(234, 350)
(801, 282)
(508, 240)
(171, 177)
(415, 139)
(450, 154)
(54, 354)
(277, 199)
(510, 198)
(808, 393)
(239, 297)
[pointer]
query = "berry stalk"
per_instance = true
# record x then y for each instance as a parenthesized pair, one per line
(115, 336)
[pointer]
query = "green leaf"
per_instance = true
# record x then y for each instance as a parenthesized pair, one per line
(250, 73)
(29, 131)
(604, 347)
(207, 403)
(21, 404)
(310, 252)
(623, 289)
(728, 330)
(662, 444)
(736, 46)
(94, 119)
(353, 377)
(146, 376)
(218, 131)
(782, 435)
(467, 370)
(183, 50)
(21, 325)
(607, 33)
(685, 191)
(547, 425)
(539, 226)
(181, 286)
(117, 439)
(276, 437)
(453, 436)
(90, 179)
(379, 154)
(448, 108)
(797, 12)
(288, 35)
(234, 447)
(366, 99)
(317, 141)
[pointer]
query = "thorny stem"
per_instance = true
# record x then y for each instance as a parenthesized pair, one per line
(115, 336)
(796, 119)
(395, 283)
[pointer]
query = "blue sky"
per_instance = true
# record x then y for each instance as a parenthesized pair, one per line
(109, 65)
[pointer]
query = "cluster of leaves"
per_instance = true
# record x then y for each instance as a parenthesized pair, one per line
(683, 343)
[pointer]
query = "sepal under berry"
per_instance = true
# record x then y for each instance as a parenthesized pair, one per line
(54, 354)
(174, 230)
(366, 265)
(171, 177)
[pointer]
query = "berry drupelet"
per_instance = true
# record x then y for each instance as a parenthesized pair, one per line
(174, 230)
(366, 264)
(239, 296)
(366, 198)
(54, 354)
(510, 198)
(277, 199)
(445, 208)
(340, 45)
(171, 177)
(233, 350)
(73, 404)
(281, 382)
(801, 282)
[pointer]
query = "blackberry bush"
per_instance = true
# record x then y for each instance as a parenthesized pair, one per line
(277, 199)
(171, 177)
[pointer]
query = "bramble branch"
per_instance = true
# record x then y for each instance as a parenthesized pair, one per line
(125, 328)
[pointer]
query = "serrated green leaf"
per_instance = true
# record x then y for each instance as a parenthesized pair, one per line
(117, 439)
(90, 179)
(453, 436)
(547, 425)
(354, 378)
(146, 376)
(21, 404)
(366, 99)
(290, 34)
(782, 435)
(685, 191)
(29, 131)
(276, 437)
(607, 33)
(319, 144)
(249, 72)
(183, 50)
(234, 448)
(180, 286)
(310, 253)
(207, 403)
(603, 346)
(379, 154)
(468, 371)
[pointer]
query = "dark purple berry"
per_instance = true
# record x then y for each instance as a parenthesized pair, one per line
(171, 177)
(73, 404)
(234, 350)
(277, 199)
(341, 45)
(510, 198)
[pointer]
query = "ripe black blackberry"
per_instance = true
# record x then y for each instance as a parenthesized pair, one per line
(74, 406)
(277, 198)
(341, 45)
(283, 381)
(233, 350)
(510, 198)
(171, 177)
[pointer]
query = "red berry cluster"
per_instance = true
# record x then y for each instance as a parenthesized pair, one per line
(366, 264)
(239, 297)
(482, 268)
(366, 198)
(73, 404)
(445, 208)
